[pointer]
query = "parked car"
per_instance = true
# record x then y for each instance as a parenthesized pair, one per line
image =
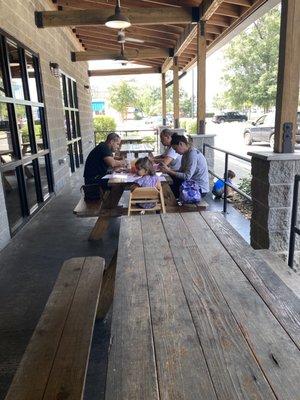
(229, 116)
(262, 130)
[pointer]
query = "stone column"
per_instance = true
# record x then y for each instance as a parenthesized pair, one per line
(272, 193)
(198, 141)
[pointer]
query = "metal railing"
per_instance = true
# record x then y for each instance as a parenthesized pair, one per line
(225, 177)
(294, 228)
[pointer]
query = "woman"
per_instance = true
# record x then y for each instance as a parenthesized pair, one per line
(169, 156)
(193, 166)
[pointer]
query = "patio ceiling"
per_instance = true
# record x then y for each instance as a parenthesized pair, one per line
(161, 40)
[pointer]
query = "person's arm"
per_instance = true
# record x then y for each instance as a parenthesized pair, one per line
(184, 173)
(112, 163)
(164, 159)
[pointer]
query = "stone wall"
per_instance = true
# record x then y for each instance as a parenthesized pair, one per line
(198, 141)
(52, 45)
(272, 194)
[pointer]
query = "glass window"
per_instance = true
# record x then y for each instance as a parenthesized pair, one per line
(36, 114)
(6, 146)
(77, 124)
(23, 129)
(75, 94)
(2, 90)
(12, 197)
(30, 185)
(73, 124)
(70, 90)
(30, 66)
(15, 70)
(67, 125)
(43, 175)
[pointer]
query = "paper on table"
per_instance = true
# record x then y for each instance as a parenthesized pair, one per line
(130, 177)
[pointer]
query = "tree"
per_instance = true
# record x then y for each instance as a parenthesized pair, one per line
(122, 96)
(220, 101)
(252, 62)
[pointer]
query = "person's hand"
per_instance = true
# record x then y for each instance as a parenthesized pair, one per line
(164, 168)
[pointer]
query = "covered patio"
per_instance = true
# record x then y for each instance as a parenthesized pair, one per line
(197, 312)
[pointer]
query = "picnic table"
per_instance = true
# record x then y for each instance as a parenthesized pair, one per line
(114, 203)
(198, 314)
(136, 149)
(131, 140)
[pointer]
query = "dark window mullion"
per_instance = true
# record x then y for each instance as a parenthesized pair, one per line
(49, 173)
(43, 127)
(37, 177)
(5, 67)
(30, 125)
(22, 191)
(24, 73)
(38, 75)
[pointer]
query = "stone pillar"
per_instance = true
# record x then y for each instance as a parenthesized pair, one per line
(272, 193)
(198, 141)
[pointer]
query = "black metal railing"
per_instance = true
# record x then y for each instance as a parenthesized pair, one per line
(225, 177)
(294, 228)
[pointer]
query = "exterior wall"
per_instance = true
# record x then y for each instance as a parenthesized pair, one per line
(198, 141)
(52, 45)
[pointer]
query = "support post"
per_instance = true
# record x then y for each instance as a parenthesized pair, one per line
(201, 77)
(288, 78)
(176, 92)
(163, 99)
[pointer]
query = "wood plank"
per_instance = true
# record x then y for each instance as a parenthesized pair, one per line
(125, 71)
(137, 54)
(33, 372)
(288, 73)
(276, 353)
(290, 277)
(131, 365)
(107, 288)
(233, 367)
(69, 369)
(163, 98)
(209, 8)
(181, 366)
(280, 299)
(137, 16)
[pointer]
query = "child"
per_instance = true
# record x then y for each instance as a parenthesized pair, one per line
(218, 188)
(148, 178)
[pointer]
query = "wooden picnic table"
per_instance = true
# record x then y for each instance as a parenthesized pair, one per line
(198, 314)
(131, 140)
(136, 149)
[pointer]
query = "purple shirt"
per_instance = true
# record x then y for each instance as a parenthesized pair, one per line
(147, 181)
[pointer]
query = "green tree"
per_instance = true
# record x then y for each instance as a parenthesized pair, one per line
(122, 96)
(103, 124)
(220, 101)
(252, 60)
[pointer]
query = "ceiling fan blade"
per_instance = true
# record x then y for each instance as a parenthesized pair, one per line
(133, 40)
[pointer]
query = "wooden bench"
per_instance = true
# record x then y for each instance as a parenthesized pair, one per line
(289, 276)
(55, 362)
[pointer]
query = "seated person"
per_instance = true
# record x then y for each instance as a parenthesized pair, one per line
(193, 166)
(218, 188)
(169, 156)
(148, 178)
(101, 159)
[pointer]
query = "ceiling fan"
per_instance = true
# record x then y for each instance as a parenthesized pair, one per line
(122, 39)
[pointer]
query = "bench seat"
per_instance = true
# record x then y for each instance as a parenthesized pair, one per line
(55, 362)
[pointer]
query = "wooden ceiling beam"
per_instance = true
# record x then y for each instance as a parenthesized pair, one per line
(209, 7)
(219, 20)
(123, 71)
(167, 64)
(242, 3)
(228, 10)
(130, 53)
(185, 39)
(137, 16)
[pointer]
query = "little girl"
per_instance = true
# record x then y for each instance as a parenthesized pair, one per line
(148, 178)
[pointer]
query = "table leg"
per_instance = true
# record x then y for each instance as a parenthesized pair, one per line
(107, 288)
(110, 201)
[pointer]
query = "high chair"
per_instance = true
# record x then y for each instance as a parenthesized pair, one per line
(146, 195)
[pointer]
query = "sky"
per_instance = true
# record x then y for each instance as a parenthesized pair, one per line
(214, 66)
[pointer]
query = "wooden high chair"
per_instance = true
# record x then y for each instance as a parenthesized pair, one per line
(142, 195)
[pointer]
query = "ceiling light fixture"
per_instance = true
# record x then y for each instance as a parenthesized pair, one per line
(118, 20)
(122, 58)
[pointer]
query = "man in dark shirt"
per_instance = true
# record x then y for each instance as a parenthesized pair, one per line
(101, 159)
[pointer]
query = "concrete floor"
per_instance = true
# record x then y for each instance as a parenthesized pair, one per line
(29, 266)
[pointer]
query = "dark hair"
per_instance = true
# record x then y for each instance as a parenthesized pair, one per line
(230, 174)
(146, 164)
(112, 136)
(176, 139)
(167, 132)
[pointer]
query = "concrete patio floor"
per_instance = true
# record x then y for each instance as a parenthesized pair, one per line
(29, 266)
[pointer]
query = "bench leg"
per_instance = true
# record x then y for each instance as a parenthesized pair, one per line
(110, 201)
(107, 288)
(100, 228)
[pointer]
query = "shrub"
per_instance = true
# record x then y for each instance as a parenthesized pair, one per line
(149, 139)
(103, 124)
(245, 185)
(191, 127)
